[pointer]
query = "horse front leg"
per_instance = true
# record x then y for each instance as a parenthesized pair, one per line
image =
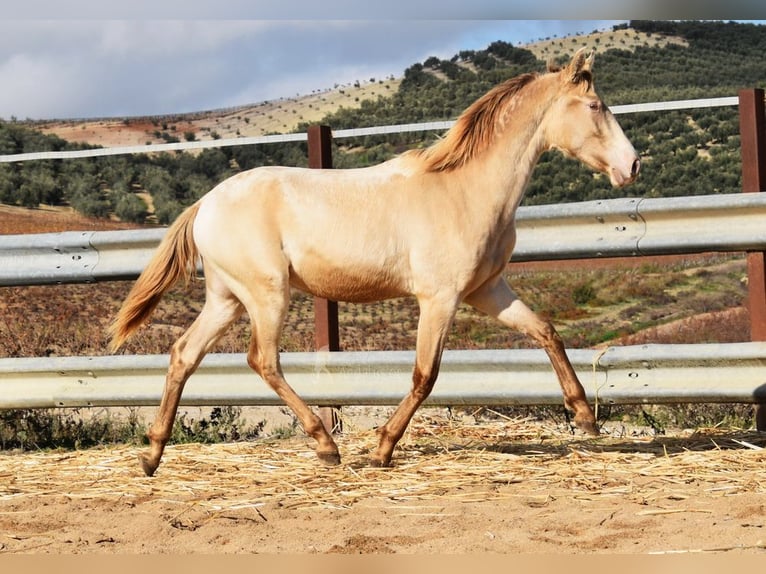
(497, 299)
(436, 317)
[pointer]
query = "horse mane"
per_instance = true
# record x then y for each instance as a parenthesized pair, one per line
(474, 130)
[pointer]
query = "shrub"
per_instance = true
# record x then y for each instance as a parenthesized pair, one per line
(34, 429)
(225, 425)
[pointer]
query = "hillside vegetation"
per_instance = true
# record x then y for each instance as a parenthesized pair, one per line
(684, 152)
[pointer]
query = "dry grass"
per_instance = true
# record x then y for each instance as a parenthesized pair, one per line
(438, 458)
(72, 319)
(20, 220)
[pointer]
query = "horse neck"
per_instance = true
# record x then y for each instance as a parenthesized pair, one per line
(502, 173)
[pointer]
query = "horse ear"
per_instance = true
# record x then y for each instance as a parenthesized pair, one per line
(588, 64)
(580, 68)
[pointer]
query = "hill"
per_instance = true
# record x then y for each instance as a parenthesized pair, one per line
(684, 152)
(275, 116)
(288, 113)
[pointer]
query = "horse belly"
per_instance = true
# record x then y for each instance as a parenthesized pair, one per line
(353, 283)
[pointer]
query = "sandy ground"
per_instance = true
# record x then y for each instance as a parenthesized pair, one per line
(457, 487)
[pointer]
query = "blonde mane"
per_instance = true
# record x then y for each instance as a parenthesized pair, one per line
(474, 130)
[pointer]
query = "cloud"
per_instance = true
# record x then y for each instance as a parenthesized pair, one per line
(98, 68)
(395, 9)
(93, 68)
(30, 83)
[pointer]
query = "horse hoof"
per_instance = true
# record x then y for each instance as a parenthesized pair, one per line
(376, 463)
(588, 427)
(146, 465)
(329, 458)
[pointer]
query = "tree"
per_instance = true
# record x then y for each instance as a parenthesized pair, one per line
(129, 207)
(9, 183)
(39, 186)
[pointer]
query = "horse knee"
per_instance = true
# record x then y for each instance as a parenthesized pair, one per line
(254, 362)
(423, 382)
(177, 360)
(268, 371)
(549, 332)
(546, 334)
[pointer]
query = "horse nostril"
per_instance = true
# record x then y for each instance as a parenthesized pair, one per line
(635, 167)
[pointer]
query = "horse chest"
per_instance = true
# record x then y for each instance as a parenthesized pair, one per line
(491, 256)
(495, 250)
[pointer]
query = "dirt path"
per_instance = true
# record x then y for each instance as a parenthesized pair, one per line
(511, 487)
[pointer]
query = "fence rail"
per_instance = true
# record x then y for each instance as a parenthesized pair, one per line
(337, 134)
(654, 374)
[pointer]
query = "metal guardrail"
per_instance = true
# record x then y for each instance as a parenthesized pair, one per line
(76, 256)
(654, 374)
(641, 226)
(608, 228)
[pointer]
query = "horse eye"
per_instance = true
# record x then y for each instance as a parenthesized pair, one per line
(595, 106)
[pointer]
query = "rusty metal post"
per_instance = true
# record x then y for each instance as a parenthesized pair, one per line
(752, 129)
(326, 331)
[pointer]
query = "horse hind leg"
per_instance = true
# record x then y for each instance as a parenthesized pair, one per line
(221, 309)
(267, 309)
(496, 299)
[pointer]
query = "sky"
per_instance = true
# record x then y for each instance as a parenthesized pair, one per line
(95, 68)
(91, 59)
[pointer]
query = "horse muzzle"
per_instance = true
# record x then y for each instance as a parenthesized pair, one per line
(621, 177)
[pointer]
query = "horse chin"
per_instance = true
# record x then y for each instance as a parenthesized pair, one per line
(618, 179)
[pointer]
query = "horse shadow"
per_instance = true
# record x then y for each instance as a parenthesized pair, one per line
(703, 440)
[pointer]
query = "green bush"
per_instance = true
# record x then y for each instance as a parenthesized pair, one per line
(35, 429)
(225, 425)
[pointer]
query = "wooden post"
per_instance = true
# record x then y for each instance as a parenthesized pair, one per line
(752, 129)
(326, 331)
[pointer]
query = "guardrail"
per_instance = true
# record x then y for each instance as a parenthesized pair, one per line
(654, 374)
(607, 228)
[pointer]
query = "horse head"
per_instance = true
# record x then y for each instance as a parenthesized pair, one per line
(580, 125)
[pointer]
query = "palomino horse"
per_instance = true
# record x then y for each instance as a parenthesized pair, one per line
(436, 223)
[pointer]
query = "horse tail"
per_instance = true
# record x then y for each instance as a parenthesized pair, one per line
(175, 258)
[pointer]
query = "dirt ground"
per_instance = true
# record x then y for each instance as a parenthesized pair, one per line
(458, 486)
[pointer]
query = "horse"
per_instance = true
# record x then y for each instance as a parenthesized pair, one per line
(436, 223)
